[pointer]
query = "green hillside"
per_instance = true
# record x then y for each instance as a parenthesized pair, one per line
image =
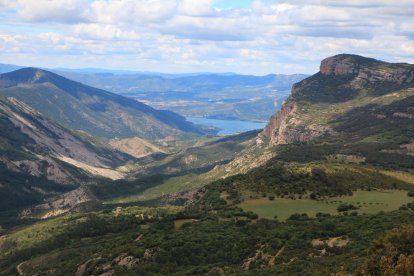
(98, 112)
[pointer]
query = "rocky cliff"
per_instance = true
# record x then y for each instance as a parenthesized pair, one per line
(277, 123)
(342, 78)
(367, 69)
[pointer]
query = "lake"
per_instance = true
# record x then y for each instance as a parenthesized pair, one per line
(227, 126)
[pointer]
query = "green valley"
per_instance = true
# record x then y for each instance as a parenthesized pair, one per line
(329, 179)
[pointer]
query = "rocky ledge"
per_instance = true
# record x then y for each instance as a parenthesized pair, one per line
(367, 69)
(339, 65)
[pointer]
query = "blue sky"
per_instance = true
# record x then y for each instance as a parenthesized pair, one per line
(231, 4)
(174, 36)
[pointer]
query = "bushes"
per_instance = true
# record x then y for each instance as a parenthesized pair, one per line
(393, 254)
(410, 194)
(299, 217)
(346, 207)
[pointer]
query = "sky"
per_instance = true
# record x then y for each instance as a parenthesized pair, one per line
(181, 36)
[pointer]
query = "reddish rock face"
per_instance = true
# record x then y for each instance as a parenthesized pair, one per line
(276, 121)
(338, 65)
(361, 70)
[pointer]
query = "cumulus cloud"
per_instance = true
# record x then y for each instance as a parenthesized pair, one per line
(188, 35)
(64, 11)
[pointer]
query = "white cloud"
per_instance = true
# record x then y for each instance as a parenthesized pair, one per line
(196, 8)
(189, 35)
(64, 11)
(103, 32)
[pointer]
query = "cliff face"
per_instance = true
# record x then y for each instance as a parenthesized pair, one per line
(277, 123)
(340, 78)
(367, 69)
(338, 65)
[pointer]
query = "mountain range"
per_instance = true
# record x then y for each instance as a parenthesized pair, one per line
(210, 95)
(324, 189)
(98, 112)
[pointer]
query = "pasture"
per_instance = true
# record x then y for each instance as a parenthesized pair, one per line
(368, 202)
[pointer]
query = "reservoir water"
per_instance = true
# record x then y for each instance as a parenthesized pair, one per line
(227, 126)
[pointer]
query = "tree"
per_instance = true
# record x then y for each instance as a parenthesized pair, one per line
(393, 254)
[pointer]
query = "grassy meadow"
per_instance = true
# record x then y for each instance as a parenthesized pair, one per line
(369, 202)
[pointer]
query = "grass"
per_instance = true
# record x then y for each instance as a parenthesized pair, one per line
(177, 184)
(370, 202)
(41, 231)
(171, 185)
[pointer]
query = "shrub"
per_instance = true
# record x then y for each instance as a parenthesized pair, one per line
(346, 207)
(298, 216)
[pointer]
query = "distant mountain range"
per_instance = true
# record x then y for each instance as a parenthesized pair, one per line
(211, 95)
(98, 112)
(220, 96)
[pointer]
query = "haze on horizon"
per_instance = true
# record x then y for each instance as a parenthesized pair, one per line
(172, 36)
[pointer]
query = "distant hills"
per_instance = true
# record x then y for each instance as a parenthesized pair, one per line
(203, 94)
(98, 112)
(219, 96)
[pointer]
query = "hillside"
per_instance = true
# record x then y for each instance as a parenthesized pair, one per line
(354, 105)
(40, 159)
(345, 118)
(348, 90)
(97, 112)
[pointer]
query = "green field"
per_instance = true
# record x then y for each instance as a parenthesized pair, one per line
(171, 185)
(369, 202)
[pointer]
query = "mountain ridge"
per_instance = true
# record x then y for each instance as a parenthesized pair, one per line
(355, 78)
(99, 112)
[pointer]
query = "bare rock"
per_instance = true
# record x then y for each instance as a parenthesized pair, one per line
(338, 65)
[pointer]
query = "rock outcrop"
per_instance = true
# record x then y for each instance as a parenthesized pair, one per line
(367, 69)
(279, 131)
(278, 121)
(339, 65)
(351, 73)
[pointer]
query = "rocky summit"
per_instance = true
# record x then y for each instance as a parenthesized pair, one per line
(349, 82)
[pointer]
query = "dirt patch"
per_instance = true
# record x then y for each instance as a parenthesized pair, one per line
(331, 242)
(338, 242)
(317, 242)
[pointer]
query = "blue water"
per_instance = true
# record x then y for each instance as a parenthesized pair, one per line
(227, 126)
